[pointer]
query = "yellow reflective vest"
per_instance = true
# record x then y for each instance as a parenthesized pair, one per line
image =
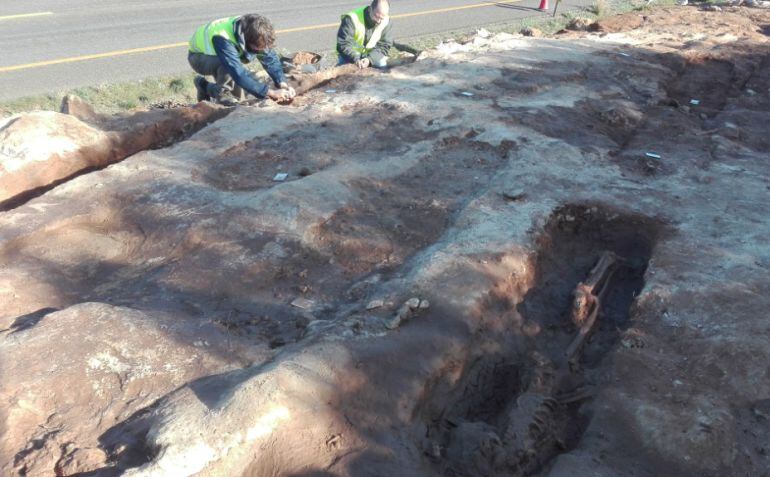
(359, 21)
(203, 39)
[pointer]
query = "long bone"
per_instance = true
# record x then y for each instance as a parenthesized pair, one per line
(587, 302)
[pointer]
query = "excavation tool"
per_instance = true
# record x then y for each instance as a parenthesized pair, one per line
(587, 302)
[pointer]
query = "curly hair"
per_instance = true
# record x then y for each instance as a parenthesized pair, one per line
(258, 32)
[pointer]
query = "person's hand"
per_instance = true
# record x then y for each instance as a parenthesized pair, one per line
(289, 90)
(363, 63)
(278, 95)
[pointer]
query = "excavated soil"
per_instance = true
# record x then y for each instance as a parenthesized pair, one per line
(401, 303)
(305, 58)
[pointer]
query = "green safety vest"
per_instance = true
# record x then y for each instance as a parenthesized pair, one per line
(359, 21)
(202, 40)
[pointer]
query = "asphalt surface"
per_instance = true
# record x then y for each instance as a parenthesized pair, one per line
(47, 31)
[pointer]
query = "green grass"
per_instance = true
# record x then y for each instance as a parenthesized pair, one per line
(113, 97)
(599, 8)
(647, 7)
(116, 97)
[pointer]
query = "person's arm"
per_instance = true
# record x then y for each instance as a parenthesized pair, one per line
(272, 64)
(231, 59)
(382, 48)
(346, 40)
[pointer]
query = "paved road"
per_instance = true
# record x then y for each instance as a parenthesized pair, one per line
(48, 31)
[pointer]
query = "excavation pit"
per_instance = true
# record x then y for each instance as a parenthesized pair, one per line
(515, 409)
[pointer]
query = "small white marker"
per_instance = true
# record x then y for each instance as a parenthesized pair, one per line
(652, 155)
(465, 93)
(280, 177)
(695, 102)
(303, 303)
(331, 91)
(624, 54)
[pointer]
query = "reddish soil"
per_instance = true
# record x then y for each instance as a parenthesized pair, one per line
(489, 209)
(305, 58)
(390, 220)
(619, 23)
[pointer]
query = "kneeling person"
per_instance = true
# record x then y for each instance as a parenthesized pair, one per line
(364, 36)
(221, 47)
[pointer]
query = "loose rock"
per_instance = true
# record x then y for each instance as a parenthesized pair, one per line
(407, 310)
(579, 24)
(531, 31)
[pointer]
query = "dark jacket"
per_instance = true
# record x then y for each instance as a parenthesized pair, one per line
(234, 56)
(346, 41)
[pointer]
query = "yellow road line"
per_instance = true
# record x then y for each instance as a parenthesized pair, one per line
(453, 9)
(25, 15)
(133, 51)
(312, 27)
(90, 57)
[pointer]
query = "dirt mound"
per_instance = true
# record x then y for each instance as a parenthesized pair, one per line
(513, 257)
(305, 58)
(629, 21)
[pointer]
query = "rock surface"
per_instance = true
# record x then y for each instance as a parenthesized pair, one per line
(41, 149)
(177, 350)
(75, 373)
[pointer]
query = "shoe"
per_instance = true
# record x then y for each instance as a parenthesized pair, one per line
(226, 98)
(201, 86)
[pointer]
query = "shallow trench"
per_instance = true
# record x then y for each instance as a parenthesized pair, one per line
(124, 137)
(521, 403)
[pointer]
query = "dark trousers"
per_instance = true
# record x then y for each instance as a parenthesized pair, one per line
(209, 65)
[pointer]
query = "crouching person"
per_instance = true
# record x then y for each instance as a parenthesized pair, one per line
(221, 48)
(364, 36)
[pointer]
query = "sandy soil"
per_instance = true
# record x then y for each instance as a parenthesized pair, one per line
(402, 303)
